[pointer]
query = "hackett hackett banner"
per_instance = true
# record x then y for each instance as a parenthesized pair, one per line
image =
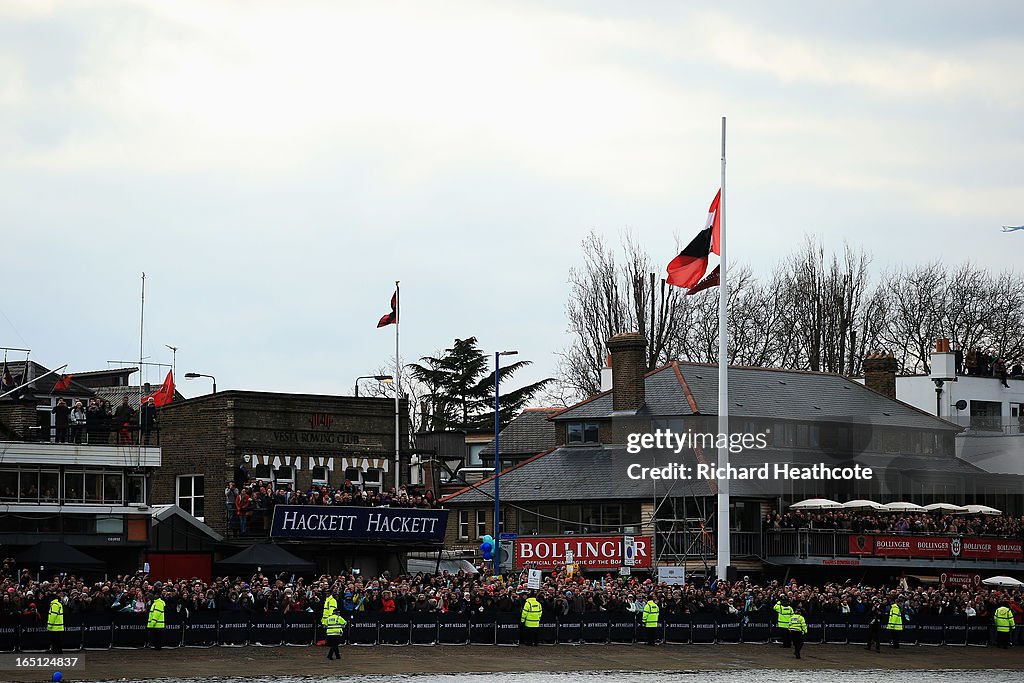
(327, 522)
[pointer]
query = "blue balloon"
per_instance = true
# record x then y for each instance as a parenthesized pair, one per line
(486, 549)
(57, 676)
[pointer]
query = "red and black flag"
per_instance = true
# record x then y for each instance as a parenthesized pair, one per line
(689, 267)
(6, 381)
(392, 317)
(63, 384)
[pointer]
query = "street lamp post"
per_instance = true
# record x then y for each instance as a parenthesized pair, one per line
(380, 378)
(497, 461)
(196, 375)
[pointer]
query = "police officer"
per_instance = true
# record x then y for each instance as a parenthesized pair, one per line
(1003, 619)
(335, 624)
(895, 624)
(330, 605)
(530, 619)
(650, 619)
(156, 622)
(783, 613)
(797, 630)
(55, 623)
(875, 627)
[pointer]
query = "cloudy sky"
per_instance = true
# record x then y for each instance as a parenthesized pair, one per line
(274, 167)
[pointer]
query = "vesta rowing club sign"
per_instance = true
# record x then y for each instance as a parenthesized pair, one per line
(588, 552)
(327, 522)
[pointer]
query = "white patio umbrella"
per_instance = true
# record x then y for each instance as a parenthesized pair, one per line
(816, 504)
(1003, 582)
(903, 507)
(980, 510)
(944, 507)
(862, 505)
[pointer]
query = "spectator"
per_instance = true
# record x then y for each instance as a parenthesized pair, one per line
(147, 418)
(123, 421)
(61, 418)
(78, 419)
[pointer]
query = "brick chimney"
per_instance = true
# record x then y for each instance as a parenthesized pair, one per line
(628, 368)
(880, 373)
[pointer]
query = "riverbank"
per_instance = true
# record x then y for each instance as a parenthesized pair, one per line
(223, 662)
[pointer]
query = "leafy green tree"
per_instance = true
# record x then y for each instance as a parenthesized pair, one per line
(460, 388)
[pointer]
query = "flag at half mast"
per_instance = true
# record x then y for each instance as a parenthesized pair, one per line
(687, 269)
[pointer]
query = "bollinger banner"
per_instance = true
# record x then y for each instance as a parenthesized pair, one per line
(936, 546)
(588, 552)
(333, 523)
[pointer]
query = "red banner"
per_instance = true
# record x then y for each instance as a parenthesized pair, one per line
(912, 546)
(588, 552)
(862, 544)
(991, 549)
(936, 546)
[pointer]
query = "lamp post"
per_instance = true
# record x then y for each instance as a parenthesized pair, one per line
(497, 461)
(196, 375)
(380, 378)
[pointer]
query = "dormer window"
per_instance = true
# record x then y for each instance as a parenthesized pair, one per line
(582, 432)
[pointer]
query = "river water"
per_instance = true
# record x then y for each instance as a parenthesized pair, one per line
(761, 676)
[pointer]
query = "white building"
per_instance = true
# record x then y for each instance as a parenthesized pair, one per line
(992, 414)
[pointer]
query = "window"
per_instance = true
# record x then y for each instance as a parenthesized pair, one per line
(464, 524)
(319, 476)
(190, 494)
(353, 474)
(74, 487)
(49, 486)
(373, 478)
(583, 432)
(136, 488)
(284, 476)
(481, 523)
(113, 487)
(29, 486)
(9, 485)
(93, 487)
(261, 472)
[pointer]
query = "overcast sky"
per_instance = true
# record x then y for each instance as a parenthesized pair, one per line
(274, 167)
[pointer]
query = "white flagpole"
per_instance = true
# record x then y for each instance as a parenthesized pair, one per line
(722, 527)
(398, 388)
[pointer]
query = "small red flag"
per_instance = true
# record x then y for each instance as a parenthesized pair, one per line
(63, 384)
(392, 317)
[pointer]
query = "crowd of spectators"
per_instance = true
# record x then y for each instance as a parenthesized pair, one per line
(99, 424)
(250, 505)
(461, 593)
(897, 523)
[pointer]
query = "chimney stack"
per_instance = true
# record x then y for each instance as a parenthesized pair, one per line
(880, 373)
(628, 368)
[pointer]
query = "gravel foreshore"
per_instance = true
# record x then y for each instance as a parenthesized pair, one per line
(271, 662)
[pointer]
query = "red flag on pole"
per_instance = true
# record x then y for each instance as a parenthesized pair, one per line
(392, 317)
(63, 384)
(165, 394)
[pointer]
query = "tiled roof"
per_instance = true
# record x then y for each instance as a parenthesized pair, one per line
(44, 385)
(680, 389)
(600, 473)
(530, 433)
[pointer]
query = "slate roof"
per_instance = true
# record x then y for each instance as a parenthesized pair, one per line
(681, 389)
(530, 433)
(44, 385)
(581, 473)
(116, 394)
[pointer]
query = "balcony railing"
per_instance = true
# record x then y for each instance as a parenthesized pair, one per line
(828, 543)
(988, 424)
(105, 436)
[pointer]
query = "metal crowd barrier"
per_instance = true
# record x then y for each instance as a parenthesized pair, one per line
(234, 629)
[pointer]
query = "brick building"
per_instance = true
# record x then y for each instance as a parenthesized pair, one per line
(296, 439)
